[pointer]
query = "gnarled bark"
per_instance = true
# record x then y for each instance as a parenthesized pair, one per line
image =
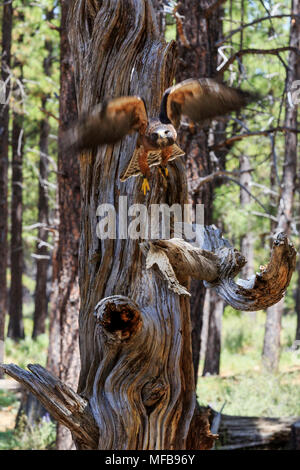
(119, 51)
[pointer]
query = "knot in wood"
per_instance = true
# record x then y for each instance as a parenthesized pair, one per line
(119, 316)
(153, 391)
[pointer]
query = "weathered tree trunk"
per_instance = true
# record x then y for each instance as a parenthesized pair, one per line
(271, 349)
(63, 355)
(4, 124)
(42, 262)
(15, 326)
(115, 43)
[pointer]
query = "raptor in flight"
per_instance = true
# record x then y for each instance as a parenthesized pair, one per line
(197, 99)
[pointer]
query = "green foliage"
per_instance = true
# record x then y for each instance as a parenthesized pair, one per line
(7, 399)
(253, 394)
(6, 440)
(22, 353)
(246, 388)
(39, 437)
(30, 33)
(27, 351)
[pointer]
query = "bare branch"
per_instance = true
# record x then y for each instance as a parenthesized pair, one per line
(247, 25)
(225, 174)
(209, 178)
(269, 216)
(265, 288)
(230, 141)
(66, 406)
(219, 261)
(243, 52)
(49, 114)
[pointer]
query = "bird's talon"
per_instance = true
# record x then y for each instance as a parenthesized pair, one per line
(145, 186)
(163, 170)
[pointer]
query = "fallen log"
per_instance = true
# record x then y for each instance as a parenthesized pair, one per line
(247, 432)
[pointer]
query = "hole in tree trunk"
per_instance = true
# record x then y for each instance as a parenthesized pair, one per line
(121, 320)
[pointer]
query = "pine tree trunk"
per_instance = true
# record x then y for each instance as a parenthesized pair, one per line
(245, 198)
(63, 355)
(271, 349)
(297, 338)
(4, 124)
(247, 240)
(198, 57)
(15, 327)
(213, 346)
(42, 263)
(158, 6)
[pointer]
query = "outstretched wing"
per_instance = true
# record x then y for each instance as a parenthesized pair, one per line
(108, 123)
(201, 99)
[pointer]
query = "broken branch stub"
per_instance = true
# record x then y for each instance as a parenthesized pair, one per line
(178, 260)
(66, 406)
(217, 263)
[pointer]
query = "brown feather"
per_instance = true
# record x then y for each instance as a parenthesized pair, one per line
(154, 159)
(203, 99)
(109, 122)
